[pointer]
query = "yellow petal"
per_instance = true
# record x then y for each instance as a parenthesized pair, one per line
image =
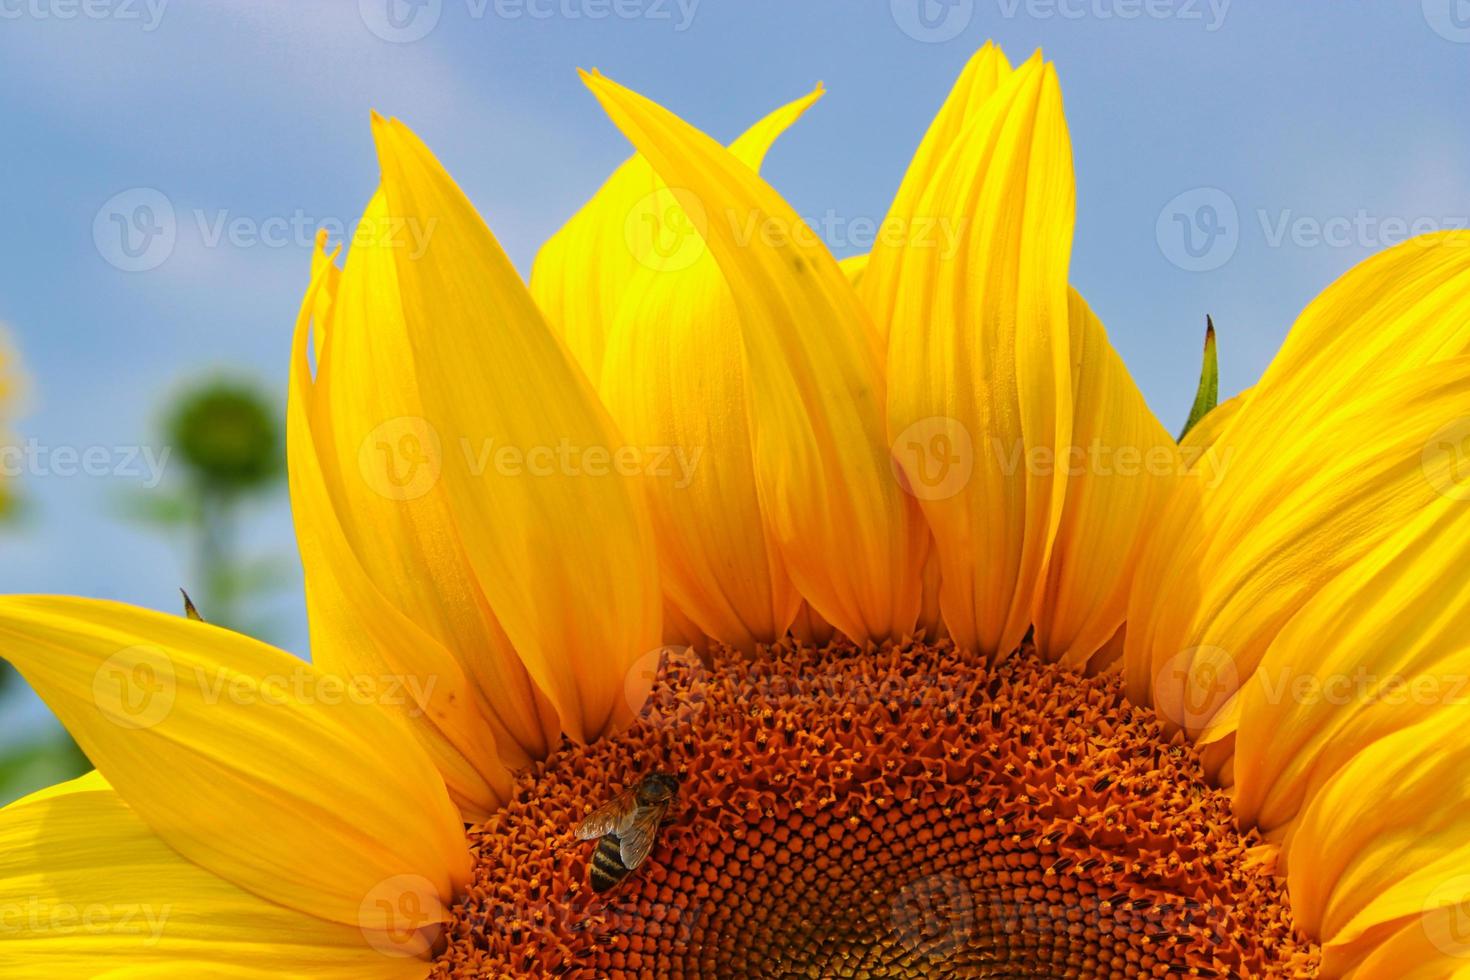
(356, 631)
(752, 145)
(680, 631)
(386, 461)
(1402, 308)
(1281, 529)
(200, 970)
(633, 223)
(559, 535)
(907, 218)
(1318, 465)
(1433, 946)
(580, 273)
(1387, 838)
(853, 268)
(1352, 745)
(1207, 431)
(931, 619)
(87, 890)
(980, 377)
(1119, 472)
(1181, 520)
(673, 379)
(810, 628)
(1378, 649)
(324, 268)
(250, 763)
(852, 540)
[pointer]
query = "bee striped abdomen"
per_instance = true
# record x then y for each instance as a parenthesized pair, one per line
(606, 868)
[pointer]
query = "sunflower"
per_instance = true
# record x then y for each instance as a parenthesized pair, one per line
(963, 665)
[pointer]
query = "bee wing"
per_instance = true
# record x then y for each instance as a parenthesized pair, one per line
(613, 817)
(635, 844)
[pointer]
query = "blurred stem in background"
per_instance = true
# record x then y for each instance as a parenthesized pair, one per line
(227, 446)
(226, 450)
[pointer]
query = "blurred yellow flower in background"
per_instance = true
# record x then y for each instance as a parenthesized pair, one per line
(12, 388)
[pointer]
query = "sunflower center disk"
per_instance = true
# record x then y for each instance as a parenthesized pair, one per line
(906, 812)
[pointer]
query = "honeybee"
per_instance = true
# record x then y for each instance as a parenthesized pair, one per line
(628, 826)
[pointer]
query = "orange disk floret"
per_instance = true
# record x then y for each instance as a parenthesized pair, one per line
(910, 811)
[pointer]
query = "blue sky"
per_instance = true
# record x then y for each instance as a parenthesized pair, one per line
(1287, 141)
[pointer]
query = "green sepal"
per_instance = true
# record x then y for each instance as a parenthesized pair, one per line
(189, 610)
(1208, 394)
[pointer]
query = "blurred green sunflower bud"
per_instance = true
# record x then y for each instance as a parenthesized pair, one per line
(226, 435)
